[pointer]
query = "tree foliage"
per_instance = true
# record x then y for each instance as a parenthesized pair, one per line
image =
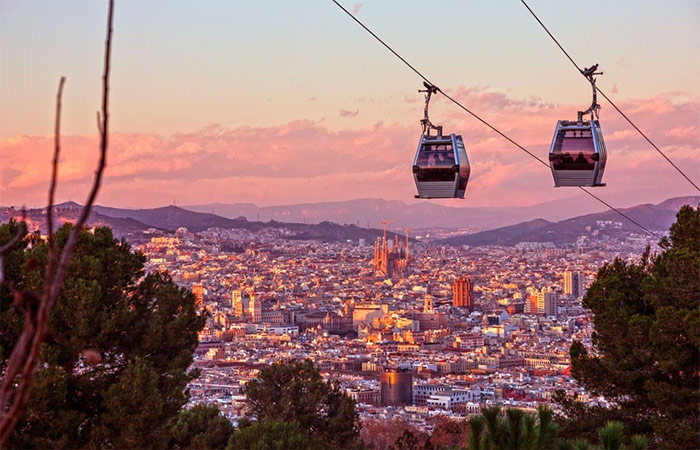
(294, 391)
(114, 368)
(382, 434)
(512, 429)
(611, 436)
(646, 345)
(412, 439)
(449, 433)
(201, 427)
(271, 435)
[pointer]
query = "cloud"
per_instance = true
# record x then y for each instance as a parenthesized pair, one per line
(614, 89)
(356, 8)
(347, 113)
(690, 132)
(307, 161)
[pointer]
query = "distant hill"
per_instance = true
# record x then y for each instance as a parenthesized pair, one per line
(130, 223)
(500, 236)
(125, 227)
(172, 218)
(423, 215)
(654, 217)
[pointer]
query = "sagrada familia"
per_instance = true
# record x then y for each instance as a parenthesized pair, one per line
(391, 262)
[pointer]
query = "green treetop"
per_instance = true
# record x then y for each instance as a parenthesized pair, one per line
(294, 391)
(114, 368)
(646, 346)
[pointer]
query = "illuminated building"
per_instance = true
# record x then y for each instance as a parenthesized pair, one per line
(198, 292)
(463, 293)
(396, 387)
(391, 262)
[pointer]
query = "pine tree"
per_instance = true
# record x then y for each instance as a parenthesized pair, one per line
(294, 391)
(114, 368)
(646, 345)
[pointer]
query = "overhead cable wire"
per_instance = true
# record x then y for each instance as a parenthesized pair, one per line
(477, 117)
(608, 99)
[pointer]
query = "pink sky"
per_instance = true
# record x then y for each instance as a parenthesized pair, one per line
(305, 161)
(310, 108)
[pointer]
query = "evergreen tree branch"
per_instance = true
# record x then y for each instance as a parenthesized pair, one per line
(5, 248)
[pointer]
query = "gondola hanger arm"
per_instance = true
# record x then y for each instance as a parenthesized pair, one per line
(590, 73)
(425, 121)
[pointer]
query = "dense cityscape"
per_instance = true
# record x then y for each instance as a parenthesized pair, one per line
(408, 328)
(278, 233)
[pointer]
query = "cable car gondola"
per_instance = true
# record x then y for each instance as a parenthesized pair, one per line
(440, 167)
(577, 155)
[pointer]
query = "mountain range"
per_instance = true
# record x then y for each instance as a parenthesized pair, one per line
(131, 223)
(656, 218)
(427, 215)
(420, 216)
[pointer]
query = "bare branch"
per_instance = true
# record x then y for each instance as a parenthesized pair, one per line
(97, 181)
(99, 122)
(56, 155)
(52, 288)
(52, 189)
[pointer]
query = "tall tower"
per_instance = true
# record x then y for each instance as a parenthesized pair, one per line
(407, 251)
(236, 298)
(255, 309)
(550, 304)
(547, 302)
(240, 302)
(375, 260)
(531, 301)
(428, 305)
(573, 283)
(463, 293)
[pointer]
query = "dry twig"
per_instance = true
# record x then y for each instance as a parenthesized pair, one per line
(36, 319)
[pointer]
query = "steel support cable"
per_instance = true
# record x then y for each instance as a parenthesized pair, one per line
(499, 132)
(608, 99)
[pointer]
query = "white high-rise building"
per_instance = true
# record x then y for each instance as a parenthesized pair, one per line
(547, 302)
(573, 283)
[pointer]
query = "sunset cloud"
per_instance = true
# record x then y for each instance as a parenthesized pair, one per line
(347, 113)
(306, 161)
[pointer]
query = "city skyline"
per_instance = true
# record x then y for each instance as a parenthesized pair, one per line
(257, 270)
